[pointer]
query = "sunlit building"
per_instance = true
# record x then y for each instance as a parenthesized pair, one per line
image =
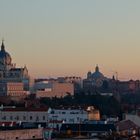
(53, 89)
(93, 114)
(10, 73)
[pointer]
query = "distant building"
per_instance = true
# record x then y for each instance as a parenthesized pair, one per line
(13, 89)
(94, 80)
(123, 87)
(53, 89)
(10, 73)
(76, 81)
(130, 86)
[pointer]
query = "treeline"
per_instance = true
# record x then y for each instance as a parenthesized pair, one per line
(108, 105)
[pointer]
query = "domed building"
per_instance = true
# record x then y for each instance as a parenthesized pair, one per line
(95, 75)
(9, 72)
(5, 59)
(94, 80)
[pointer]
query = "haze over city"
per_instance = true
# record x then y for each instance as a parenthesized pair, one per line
(59, 37)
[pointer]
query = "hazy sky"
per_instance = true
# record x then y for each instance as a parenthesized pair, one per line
(69, 37)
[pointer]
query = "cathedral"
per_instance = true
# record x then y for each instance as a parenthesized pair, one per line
(96, 77)
(95, 80)
(9, 72)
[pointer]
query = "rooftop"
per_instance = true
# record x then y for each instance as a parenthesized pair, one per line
(25, 109)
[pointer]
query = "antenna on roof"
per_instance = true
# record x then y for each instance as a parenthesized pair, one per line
(116, 75)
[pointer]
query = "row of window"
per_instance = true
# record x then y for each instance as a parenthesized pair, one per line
(82, 112)
(16, 94)
(24, 118)
(10, 75)
(33, 137)
(72, 120)
(15, 88)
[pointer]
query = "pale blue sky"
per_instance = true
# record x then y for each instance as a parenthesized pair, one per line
(69, 37)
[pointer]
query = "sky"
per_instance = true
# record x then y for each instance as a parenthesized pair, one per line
(69, 37)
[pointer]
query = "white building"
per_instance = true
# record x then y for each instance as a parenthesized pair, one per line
(52, 117)
(58, 116)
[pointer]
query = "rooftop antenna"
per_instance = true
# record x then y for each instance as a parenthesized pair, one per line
(116, 75)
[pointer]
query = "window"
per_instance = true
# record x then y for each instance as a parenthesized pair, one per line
(52, 112)
(71, 120)
(31, 117)
(37, 118)
(11, 117)
(44, 118)
(17, 117)
(4, 118)
(24, 118)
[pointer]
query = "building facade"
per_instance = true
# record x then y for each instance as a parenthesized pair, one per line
(27, 115)
(22, 134)
(94, 81)
(56, 117)
(53, 89)
(13, 89)
(10, 73)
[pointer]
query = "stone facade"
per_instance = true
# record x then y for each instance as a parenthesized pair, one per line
(9, 72)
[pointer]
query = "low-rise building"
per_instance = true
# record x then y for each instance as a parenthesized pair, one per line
(87, 130)
(22, 134)
(38, 115)
(127, 128)
(134, 118)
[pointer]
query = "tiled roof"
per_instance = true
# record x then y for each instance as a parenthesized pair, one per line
(25, 109)
(125, 125)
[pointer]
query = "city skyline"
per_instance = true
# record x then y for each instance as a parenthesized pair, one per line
(62, 38)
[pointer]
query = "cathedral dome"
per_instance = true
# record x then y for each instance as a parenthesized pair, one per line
(97, 74)
(5, 58)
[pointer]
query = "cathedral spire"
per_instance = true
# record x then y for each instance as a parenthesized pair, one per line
(2, 45)
(97, 68)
